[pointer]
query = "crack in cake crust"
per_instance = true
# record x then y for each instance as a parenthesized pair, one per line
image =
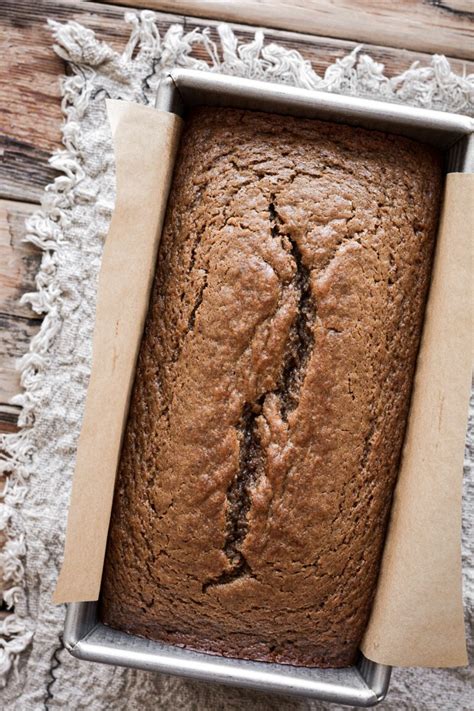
(301, 335)
(300, 341)
(239, 496)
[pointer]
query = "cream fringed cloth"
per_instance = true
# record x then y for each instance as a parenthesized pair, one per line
(34, 667)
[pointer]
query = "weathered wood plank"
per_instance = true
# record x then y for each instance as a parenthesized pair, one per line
(24, 168)
(29, 86)
(8, 418)
(15, 341)
(323, 51)
(19, 262)
(423, 25)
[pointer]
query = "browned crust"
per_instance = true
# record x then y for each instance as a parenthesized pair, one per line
(272, 388)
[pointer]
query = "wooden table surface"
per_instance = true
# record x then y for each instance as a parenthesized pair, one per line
(395, 33)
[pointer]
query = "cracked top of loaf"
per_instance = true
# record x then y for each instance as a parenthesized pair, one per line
(272, 388)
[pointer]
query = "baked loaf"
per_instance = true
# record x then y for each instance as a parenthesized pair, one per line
(272, 388)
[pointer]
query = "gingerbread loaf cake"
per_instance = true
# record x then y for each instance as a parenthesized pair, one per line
(272, 388)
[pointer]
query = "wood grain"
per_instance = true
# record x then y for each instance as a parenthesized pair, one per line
(24, 168)
(16, 336)
(322, 51)
(19, 263)
(444, 26)
(19, 260)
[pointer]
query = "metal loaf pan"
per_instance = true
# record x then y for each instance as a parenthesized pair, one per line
(366, 683)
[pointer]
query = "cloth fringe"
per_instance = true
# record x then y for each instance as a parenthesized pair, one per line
(146, 57)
